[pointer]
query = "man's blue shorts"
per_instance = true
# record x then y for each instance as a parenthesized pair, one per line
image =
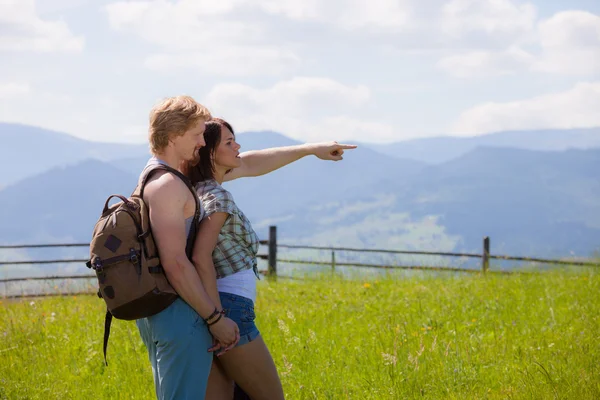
(178, 340)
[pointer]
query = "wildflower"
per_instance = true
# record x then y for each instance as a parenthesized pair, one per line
(287, 366)
(366, 285)
(434, 344)
(283, 327)
(389, 359)
(291, 316)
(474, 319)
(312, 336)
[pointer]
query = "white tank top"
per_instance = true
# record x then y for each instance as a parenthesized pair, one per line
(241, 283)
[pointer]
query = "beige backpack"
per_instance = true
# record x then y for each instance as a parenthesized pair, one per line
(123, 254)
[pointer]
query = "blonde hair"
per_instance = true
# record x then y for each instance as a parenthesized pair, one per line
(172, 117)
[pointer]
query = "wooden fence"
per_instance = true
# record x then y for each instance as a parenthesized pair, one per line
(272, 259)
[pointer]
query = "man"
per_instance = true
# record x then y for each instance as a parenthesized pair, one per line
(177, 338)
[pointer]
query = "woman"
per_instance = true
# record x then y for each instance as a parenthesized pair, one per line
(225, 258)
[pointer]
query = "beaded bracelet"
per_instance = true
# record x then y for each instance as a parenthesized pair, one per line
(214, 314)
(215, 321)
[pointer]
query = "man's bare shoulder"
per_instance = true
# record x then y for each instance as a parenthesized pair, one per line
(165, 187)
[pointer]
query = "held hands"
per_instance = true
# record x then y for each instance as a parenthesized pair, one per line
(226, 335)
(331, 151)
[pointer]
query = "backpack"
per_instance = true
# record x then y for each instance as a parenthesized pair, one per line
(123, 254)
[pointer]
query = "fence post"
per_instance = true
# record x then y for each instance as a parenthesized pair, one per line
(332, 261)
(485, 260)
(273, 251)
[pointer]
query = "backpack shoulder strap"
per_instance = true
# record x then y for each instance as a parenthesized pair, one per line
(107, 321)
(162, 167)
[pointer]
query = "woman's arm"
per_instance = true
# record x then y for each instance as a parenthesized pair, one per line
(206, 240)
(261, 162)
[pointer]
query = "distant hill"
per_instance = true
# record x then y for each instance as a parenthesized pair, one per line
(62, 204)
(529, 202)
(437, 150)
(35, 150)
(28, 151)
(91, 181)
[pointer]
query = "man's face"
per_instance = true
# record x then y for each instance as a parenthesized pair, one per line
(191, 141)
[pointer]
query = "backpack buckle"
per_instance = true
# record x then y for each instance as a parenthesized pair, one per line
(133, 256)
(97, 264)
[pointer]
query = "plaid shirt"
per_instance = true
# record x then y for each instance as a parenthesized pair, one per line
(237, 244)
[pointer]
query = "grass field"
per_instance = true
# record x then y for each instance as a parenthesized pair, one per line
(534, 336)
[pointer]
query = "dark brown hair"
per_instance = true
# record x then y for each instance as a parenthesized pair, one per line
(205, 168)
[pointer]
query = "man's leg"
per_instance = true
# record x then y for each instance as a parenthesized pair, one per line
(183, 362)
(146, 335)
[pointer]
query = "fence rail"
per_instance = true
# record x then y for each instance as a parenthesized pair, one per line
(273, 261)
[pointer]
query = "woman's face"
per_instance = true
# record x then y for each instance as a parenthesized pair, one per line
(227, 153)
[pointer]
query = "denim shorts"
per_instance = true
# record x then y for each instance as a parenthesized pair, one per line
(241, 310)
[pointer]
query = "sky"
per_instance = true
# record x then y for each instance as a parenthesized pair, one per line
(364, 70)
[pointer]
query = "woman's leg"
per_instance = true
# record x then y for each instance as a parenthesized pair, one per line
(249, 364)
(252, 368)
(220, 386)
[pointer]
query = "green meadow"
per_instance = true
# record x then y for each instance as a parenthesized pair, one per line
(437, 336)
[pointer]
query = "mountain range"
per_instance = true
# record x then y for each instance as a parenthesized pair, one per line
(534, 193)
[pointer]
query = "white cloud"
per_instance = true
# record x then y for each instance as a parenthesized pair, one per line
(570, 44)
(200, 34)
(494, 17)
(245, 35)
(574, 108)
(297, 10)
(21, 29)
(28, 105)
(12, 89)
(386, 15)
(486, 63)
(228, 61)
(308, 109)
(184, 25)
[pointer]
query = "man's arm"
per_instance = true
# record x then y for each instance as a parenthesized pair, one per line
(208, 234)
(261, 162)
(166, 197)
